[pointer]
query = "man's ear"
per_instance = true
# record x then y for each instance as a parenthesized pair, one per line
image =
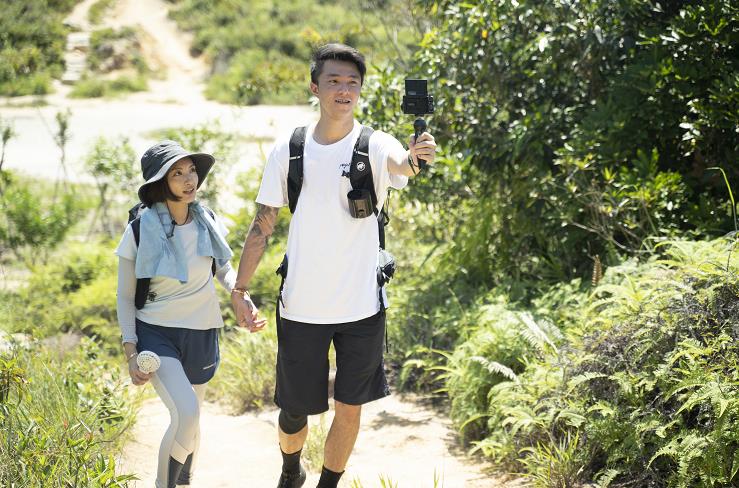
(314, 88)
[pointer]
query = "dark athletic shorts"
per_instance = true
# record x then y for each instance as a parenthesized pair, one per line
(302, 364)
(197, 350)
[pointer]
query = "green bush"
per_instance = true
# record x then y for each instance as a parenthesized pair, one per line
(32, 43)
(62, 416)
(97, 88)
(35, 220)
(246, 376)
(260, 49)
(575, 132)
(98, 10)
(81, 284)
(116, 49)
(652, 348)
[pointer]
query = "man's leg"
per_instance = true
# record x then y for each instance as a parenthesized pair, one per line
(341, 436)
(301, 389)
(291, 443)
(360, 378)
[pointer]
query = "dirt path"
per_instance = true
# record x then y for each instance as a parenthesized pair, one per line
(400, 439)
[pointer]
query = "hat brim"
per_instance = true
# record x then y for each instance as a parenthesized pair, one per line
(202, 161)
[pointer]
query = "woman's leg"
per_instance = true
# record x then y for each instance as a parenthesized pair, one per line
(175, 390)
(189, 467)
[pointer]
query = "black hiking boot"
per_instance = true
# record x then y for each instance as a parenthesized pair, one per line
(185, 476)
(175, 467)
(292, 480)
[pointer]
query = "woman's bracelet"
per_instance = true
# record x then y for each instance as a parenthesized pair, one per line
(133, 354)
(241, 291)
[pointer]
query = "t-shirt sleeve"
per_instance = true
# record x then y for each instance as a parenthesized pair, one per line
(127, 246)
(273, 190)
(382, 147)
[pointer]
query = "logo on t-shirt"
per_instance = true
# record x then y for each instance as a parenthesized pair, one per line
(345, 169)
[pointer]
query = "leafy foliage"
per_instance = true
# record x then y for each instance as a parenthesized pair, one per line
(32, 40)
(653, 349)
(62, 418)
(32, 220)
(260, 49)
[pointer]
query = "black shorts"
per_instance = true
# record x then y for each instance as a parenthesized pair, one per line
(197, 350)
(302, 364)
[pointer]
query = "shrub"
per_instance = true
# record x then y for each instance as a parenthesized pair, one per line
(32, 42)
(260, 50)
(653, 348)
(34, 219)
(62, 418)
(97, 88)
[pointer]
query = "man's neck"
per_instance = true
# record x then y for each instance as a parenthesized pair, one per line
(329, 131)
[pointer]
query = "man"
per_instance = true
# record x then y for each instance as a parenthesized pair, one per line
(331, 292)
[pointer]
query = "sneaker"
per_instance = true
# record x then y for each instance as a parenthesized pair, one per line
(292, 480)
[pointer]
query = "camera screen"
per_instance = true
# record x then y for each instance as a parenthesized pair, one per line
(416, 88)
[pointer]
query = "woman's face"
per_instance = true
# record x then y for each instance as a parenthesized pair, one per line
(182, 179)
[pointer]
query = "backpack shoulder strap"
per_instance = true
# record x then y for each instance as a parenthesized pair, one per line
(213, 262)
(142, 284)
(360, 170)
(136, 229)
(295, 170)
(360, 175)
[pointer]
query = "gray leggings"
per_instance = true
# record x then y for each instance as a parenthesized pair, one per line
(183, 401)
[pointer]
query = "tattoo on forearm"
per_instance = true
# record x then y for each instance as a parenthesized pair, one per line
(256, 242)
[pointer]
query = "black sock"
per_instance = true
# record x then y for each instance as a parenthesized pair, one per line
(329, 479)
(291, 462)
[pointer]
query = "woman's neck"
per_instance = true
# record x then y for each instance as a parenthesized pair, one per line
(179, 211)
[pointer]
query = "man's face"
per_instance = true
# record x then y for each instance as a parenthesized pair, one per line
(338, 88)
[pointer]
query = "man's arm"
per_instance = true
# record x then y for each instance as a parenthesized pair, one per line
(256, 242)
(406, 164)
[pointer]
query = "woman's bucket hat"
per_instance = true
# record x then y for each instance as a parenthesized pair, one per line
(157, 160)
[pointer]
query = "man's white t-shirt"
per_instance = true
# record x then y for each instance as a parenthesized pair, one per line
(191, 305)
(332, 256)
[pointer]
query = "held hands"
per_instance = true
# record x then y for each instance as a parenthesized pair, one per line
(424, 148)
(247, 314)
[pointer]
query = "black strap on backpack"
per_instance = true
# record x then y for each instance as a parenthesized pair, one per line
(142, 284)
(295, 171)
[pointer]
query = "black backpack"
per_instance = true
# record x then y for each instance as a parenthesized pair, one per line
(360, 180)
(142, 284)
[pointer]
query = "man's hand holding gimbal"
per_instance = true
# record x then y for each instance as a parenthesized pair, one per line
(423, 148)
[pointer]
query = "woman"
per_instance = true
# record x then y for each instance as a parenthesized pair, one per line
(180, 246)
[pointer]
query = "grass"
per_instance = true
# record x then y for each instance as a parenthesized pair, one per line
(313, 449)
(63, 416)
(246, 376)
(97, 88)
(98, 10)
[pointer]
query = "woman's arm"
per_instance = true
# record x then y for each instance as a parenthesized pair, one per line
(127, 317)
(227, 276)
(126, 294)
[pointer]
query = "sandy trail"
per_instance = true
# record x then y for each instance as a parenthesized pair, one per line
(400, 439)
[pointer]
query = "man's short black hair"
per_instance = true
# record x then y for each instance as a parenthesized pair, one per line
(336, 52)
(157, 191)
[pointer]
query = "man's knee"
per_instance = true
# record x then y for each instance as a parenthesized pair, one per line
(291, 424)
(346, 412)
